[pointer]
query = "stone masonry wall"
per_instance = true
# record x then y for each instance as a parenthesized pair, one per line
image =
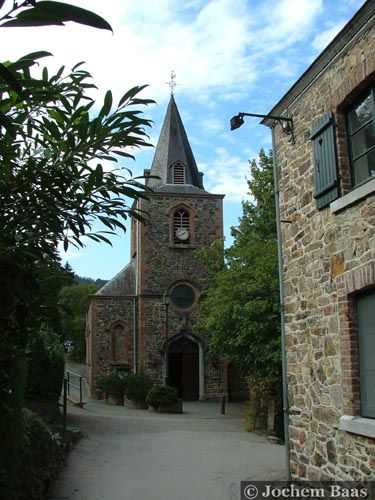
(105, 314)
(163, 264)
(323, 253)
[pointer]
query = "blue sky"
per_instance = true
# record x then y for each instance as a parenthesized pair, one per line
(229, 56)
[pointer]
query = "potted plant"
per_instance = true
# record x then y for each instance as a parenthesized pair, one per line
(112, 384)
(163, 399)
(137, 387)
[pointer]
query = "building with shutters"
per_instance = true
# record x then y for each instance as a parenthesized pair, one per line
(326, 176)
(130, 327)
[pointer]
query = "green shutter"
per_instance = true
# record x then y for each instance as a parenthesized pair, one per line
(366, 340)
(326, 178)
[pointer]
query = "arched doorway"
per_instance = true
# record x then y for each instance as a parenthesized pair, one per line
(183, 368)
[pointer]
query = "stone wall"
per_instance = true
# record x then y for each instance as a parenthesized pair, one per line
(158, 253)
(105, 315)
(324, 252)
(162, 264)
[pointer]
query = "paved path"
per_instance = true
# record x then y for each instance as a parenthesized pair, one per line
(128, 454)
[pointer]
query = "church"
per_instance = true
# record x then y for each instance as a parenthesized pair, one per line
(146, 318)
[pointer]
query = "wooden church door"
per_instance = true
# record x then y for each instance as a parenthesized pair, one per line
(183, 364)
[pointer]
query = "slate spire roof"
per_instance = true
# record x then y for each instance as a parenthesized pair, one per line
(173, 146)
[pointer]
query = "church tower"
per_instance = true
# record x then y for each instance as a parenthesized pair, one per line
(145, 318)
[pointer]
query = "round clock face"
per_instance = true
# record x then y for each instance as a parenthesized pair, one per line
(182, 233)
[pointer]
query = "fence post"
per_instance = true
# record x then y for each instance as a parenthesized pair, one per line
(64, 407)
(223, 405)
(80, 390)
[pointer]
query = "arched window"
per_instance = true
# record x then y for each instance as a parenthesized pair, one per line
(181, 227)
(119, 342)
(178, 173)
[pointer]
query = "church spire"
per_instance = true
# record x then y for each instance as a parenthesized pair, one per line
(174, 161)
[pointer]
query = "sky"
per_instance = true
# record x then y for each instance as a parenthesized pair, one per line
(229, 56)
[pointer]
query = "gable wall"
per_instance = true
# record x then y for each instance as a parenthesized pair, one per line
(328, 257)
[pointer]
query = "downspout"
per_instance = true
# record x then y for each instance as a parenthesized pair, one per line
(135, 343)
(282, 315)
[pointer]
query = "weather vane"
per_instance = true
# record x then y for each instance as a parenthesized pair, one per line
(172, 83)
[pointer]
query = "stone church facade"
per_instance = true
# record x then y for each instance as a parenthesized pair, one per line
(145, 318)
(326, 181)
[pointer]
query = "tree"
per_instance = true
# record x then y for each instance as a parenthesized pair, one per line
(72, 306)
(53, 183)
(241, 303)
(54, 186)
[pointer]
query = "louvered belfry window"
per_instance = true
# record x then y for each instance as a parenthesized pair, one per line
(178, 173)
(181, 220)
(326, 178)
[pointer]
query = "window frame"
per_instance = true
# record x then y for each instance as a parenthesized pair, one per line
(350, 285)
(193, 287)
(351, 134)
(178, 173)
(362, 348)
(187, 224)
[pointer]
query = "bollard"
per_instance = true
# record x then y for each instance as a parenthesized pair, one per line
(223, 405)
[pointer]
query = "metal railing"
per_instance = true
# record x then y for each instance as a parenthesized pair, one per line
(37, 400)
(70, 376)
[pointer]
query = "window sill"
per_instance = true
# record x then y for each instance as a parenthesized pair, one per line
(183, 247)
(358, 425)
(354, 196)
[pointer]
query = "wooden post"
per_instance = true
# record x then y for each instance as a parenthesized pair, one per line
(223, 405)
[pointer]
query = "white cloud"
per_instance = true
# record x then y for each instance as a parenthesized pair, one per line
(227, 174)
(323, 38)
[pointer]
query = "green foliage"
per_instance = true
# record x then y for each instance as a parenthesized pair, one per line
(38, 460)
(43, 13)
(265, 396)
(137, 387)
(241, 303)
(47, 13)
(113, 384)
(54, 187)
(161, 395)
(53, 184)
(12, 382)
(72, 303)
(45, 366)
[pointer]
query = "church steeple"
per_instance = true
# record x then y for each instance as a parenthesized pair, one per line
(174, 161)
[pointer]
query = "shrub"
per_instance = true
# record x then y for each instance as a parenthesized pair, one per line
(39, 459)
(12, 384)
(45, 365)
(161, 395)
(265, 397)
(137, 387)
(113, 383)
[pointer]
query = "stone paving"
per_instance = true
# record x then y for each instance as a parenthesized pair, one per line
(128, 454)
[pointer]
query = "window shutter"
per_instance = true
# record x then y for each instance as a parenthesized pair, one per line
(366, 334)
(326, 178)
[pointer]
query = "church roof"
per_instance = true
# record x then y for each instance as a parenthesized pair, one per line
(122, 284)
(173, 146)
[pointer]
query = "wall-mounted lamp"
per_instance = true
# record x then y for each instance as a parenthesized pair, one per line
(286, 123)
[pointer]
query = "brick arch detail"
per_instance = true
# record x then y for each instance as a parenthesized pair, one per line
(119, 346)
(192, 218)
(350, 284)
